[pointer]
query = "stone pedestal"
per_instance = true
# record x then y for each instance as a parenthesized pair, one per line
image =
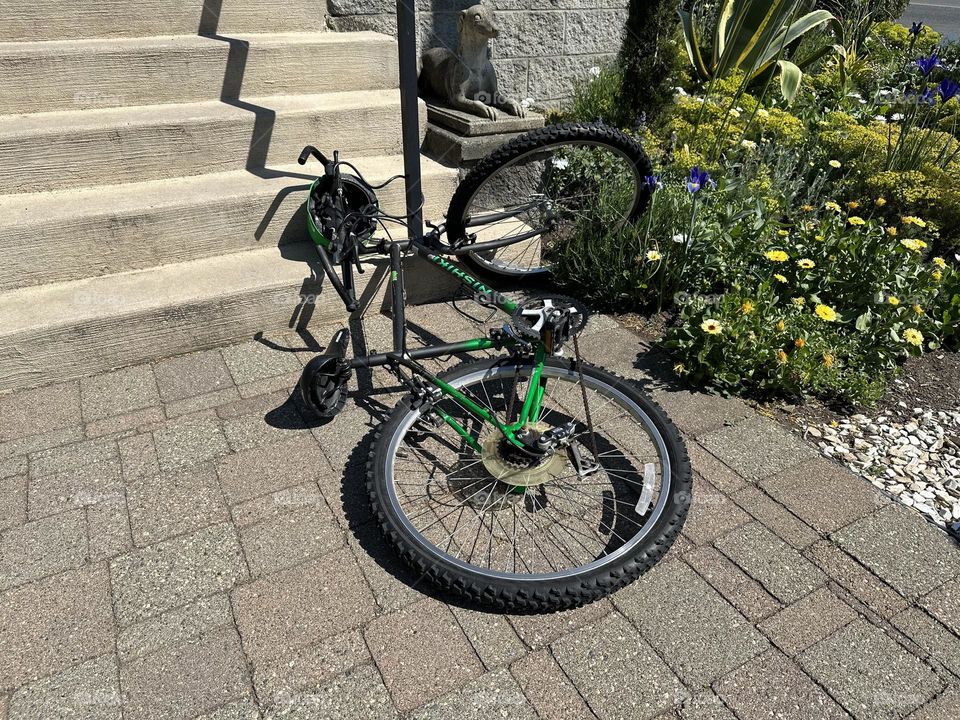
(459, 139)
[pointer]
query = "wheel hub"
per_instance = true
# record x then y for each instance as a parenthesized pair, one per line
(510, 466)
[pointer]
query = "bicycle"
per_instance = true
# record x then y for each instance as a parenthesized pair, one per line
(532, 481)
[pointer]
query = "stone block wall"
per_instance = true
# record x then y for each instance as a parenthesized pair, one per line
(544, 45)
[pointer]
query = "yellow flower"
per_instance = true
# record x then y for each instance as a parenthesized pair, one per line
(781, 357)
(779, 278)
(912, 220)
(856, 220)
(807, 208)
(853, 204)
(799, 301)
(679, 369)
(918, 309)
(892, 231)
(653, 256)
(912, 244)
(783, 233)
(748, 307)
(831, 205)
(828, 360)
(940, 262)
(781, 326)
(821, 238)
(806, 263)
(893, 300)
(913, 336)
(711, 326)
(937, 275)
(734, 113)
(825, 312)
(834, 423)
(777, 255)
(834, 163)
(799, 342)
(880, 202)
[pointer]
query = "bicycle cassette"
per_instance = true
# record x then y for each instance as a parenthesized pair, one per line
(563, 316)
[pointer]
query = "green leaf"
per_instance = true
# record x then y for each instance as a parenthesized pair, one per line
(802, 26)
(790, 76)
(863, 322)
(692, 42)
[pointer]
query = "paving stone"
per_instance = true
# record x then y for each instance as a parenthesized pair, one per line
(294, 608)
(175, 572)
(548, 689)
(118, 392)
(257, 472)
(42, 547)
(537, 631)
(944, 604)
(245, 709)
(605, 658)
(108, 529)
(946, 705)
(257, 404)
(174, 503)
(903, 549)
(697, 413)
(860, 582)
(776, 517)
(255, 430)
(421, 652)
(121, 424)
(773, 686)
(13, 501)
(689, 625)
(85, 486)
(757, 448)
(284, 529)
(189, 441)
(870, 674)
(14, 466)
(89, 690)
(175, 627)
(39, 411)
(199, 403)
(712, 469)
(253, 361)
(394, 583)
(53, 624)
(769, 560)
(930, 635)
(138, 457)
(358, 693)
(185, 680)
(711, 513)
(739, 589)
(76, 456)
(493, 638)
(823, 494)
(190, 375)
(279, 680)
(807, 621)
(705, 706)
(41, 441)
(496, 694)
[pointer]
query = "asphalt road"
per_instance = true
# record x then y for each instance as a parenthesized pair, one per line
(942, 15)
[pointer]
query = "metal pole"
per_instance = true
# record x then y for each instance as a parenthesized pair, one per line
(409, 115)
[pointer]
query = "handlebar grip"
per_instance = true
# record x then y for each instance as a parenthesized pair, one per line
(306, 153)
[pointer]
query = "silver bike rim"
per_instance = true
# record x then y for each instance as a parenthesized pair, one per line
(499, 260)
(624, 550)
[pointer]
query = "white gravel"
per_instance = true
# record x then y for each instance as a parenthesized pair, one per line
(916, 460)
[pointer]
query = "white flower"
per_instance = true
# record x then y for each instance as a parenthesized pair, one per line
(880, 118)
(763, 112)
(526, 103)
(748, 144)
(595, 71)
(897, 117)
(679, 238)
(679, 91)
(560, 163)
(734, 113)
(885, 92)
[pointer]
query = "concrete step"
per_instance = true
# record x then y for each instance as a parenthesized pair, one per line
(72, 234)
(68, 330)
(52, 151)
(79, 74)
(44, 20)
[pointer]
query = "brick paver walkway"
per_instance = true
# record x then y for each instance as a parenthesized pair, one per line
(175, 542)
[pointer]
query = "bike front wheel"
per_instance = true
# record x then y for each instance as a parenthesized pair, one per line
(564, 531)
(543, 187)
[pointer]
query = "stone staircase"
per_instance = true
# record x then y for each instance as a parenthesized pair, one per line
(150, 202)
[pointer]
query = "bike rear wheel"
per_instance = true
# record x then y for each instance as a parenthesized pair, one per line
(532, 538)
(541, 187)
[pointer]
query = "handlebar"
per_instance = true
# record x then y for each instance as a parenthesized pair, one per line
(311, 150)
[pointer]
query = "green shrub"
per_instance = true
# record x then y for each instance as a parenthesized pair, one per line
(598, 97)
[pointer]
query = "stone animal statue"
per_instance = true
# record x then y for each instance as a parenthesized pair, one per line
(466, 80)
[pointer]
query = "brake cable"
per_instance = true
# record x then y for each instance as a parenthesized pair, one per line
(586, 407)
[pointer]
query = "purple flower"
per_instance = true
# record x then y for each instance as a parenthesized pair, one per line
(927, 64)
(916, 28)
(928, 97)
(653, 182)
(698, 180)
(948, 89)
